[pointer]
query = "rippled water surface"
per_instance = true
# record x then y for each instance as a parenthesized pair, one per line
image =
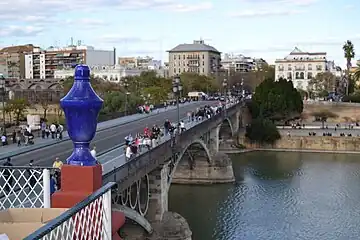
(287, 196)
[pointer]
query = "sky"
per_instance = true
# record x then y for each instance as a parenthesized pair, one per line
(269, 29)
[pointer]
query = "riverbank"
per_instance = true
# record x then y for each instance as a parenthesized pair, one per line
(308, 143)
(237, 151)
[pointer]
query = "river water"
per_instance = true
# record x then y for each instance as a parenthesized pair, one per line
(277, 196)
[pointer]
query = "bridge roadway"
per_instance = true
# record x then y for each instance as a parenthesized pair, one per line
(103, 140)
(110, 160)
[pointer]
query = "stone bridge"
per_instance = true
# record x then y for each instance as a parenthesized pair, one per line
(192, 157)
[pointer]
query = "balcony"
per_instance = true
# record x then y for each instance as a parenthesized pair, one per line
(299, 68)
(193, 57)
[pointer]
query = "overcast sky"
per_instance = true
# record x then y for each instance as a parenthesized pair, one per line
(257, 28)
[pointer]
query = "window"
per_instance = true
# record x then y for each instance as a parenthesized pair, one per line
(174, 57)
(309, 67)
(297, 75)
(302, 75)
(179, 70)
(203, 70)
(289, 67)
(309, 75)
(179, 57)
(175, 70)
(203, 56)
(183, 56)
(289, 75)
(203, 62)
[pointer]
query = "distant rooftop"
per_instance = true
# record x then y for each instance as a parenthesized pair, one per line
(199, 46)
(297, 51)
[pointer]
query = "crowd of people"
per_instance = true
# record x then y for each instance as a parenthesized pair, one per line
(26, 136)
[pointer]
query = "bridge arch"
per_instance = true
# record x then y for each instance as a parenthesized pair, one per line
(225, 128)
(174, 163)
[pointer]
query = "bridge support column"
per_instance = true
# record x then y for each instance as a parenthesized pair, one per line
(166, 225)
(235, 120)
(214, 141)
(158, 203)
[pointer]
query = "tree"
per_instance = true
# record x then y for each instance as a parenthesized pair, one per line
(8, 111)
(356, 75)
(324, 82)
(19, 107)
(262, 130)
(45, 104)
(58, 112)
(349, 54)
(323, 115)
(276, 100)
(197, 82)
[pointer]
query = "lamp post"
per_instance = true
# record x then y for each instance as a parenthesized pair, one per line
(224, 84)
(242, 88)
(126, 85)
(176, 90)
(3, 93)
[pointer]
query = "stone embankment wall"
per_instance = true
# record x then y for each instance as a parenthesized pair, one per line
(309, 143)
(219, 171)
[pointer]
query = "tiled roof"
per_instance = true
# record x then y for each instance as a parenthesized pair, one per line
(194, 47)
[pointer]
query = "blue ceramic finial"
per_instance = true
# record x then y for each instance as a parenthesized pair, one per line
(81, 107)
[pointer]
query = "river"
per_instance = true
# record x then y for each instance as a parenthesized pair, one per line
(277, 196)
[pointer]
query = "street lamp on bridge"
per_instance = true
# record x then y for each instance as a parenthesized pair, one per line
(126, 85)
(177, 88)
(3, 93)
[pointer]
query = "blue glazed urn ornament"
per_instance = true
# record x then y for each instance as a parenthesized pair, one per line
(81, 107)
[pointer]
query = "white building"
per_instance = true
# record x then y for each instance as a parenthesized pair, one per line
(109, 73)
(41, 64)
(301, 67)
(240, 63)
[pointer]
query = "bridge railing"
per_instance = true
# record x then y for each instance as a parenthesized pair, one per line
(89, 219)
(25, 187)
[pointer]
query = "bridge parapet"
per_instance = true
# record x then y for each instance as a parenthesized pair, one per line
(89, 219)
(25, 187)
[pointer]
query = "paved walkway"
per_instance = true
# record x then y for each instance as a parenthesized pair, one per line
(39, 142)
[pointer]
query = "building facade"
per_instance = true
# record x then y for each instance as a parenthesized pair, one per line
(241, 63)
(197, 57)
(108, 73)
(35, 90)
(144, 63)
(300, 67)
(41, 64)
(12, 62)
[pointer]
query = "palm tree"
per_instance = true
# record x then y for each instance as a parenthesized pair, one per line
(357, 72)
(349, 54)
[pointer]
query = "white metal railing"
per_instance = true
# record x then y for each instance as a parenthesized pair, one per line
(87, 220)
(24, 187)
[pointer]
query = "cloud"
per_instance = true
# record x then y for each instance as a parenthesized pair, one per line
(86, 22)
(20, 31)
(264, 13)
(266, 8)
(120, 39)
(164, 5)
(46, 12)
(288, 2)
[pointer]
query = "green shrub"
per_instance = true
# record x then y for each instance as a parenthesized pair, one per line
(262, 130)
